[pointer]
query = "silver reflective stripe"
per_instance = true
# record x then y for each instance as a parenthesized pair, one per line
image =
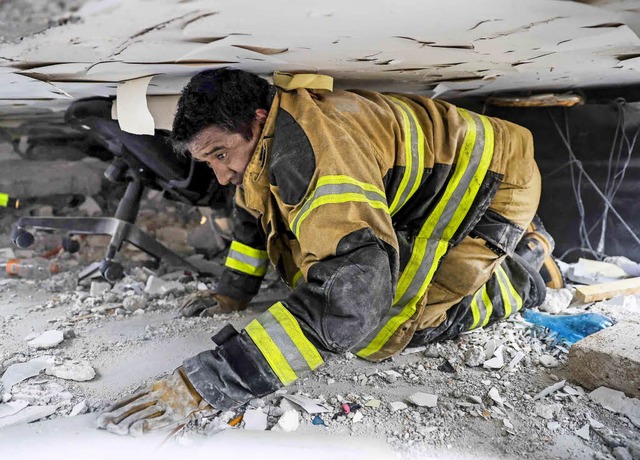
(253, 261)
(338, 192)
(282, 340)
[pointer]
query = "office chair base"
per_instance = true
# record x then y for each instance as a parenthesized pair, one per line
(119, 230)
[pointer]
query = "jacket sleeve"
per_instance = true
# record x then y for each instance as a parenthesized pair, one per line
(349, 264)
(246, 263)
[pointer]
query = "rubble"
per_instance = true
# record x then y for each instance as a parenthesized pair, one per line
(424, 399)
(27, 415)
(16, 373)
(289, 421)
(47, 339)
(72, 370)
(616, 401)
(255, 419)
(610, 358)
(557, 300)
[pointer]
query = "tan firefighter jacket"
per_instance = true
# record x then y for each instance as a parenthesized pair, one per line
(358, 196)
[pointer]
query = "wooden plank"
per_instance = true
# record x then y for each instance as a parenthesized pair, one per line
(604, 291)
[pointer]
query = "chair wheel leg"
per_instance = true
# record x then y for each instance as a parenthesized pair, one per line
(70, 245)
(111, 271)
(22, 238)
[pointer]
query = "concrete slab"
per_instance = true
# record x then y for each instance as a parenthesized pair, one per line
(32, 179)
(609, 358)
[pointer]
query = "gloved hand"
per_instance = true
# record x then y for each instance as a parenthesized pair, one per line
(208, 303)
(159, 405)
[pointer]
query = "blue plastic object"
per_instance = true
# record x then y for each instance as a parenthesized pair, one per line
(571, 328)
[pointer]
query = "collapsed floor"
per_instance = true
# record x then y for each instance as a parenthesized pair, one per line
(478, 396)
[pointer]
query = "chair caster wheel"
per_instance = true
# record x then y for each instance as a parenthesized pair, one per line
(22, 238)
(111, 271)
(70, 245)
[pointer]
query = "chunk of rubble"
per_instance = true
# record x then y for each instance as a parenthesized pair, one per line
(288, 422)
(27, 415)
(424, 399)
(48, 339)
(549, 361)
(158, 286)
(357, 417)
(11, 408)
(494, 363)
(474, 357)
(547, 411)
(16, 373)
(553, 426)
(495, 396)
(98, 288)
(375, 403)
(79, 371)
(309, 405)
(622, 453)
(557, 300)
(616, 401)
(255, 419)
(584, 432)
(397, 405)
(550, 389)
(79, 408)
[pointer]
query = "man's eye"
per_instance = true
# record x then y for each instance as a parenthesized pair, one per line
(221, 156)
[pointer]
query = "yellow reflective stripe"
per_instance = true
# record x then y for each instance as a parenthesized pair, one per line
(475, 311)
(488, 305)
(4, 200)
(414, 156)
(506, 300)
(271, 353)
(245, 267)
(296, 278)
(292, 328)
(248, 250)
(512, 290)
(336, 190)
(414, 268)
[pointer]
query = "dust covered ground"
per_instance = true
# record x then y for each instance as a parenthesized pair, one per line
(478, 392)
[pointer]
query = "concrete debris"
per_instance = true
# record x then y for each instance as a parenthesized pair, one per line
(16, 373)
(98, 288)
(27, 415)
(396, 406)
(553, 426)
(490, 348)
(309, 405)
(48, 339)
(432, 351)
(134, 302)
(496, 362)
(547, 411)
(519, 356)
(424, 399)
(587, 271)
(610, 357)
(90, 207)
(255, 419)
(158, 286)
(79, 371)
(474, 357)
(507, 423)
(412, 350)
(357, 417)
(550, 389)
(495, 396)
(549, 361)
(622, 453)
(375, 403)
(594, 423)
(288, 422)
(79, 408)
(630, 267)
(616, 401)
(584, 432)
(12, 407)
(557, 300)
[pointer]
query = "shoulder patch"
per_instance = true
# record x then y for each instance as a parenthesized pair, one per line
(292, 161)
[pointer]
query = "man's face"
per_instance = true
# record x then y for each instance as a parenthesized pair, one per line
(228, 154)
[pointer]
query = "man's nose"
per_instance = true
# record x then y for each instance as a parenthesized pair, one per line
(223, 175)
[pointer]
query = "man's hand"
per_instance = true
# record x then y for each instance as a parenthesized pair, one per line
(161, 404)
(208, 303)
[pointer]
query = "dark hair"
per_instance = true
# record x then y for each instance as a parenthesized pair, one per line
(224, 98)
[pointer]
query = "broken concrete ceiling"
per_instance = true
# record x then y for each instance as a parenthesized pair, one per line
(433, 47)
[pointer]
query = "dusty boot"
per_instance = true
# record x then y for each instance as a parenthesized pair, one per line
(536, 247)
(208, 303)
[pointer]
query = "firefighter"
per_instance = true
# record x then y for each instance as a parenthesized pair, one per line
(397, 220)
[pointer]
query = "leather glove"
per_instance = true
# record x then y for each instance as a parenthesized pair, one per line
(208, 303)
(160, 404)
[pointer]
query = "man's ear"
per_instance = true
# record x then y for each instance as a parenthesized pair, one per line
(261, 115)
